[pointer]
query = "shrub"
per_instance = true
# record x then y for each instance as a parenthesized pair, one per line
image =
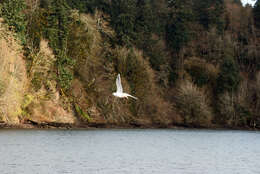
(192, 104)
(136, 71)
(12, 12)
(42, 66)
(226, 109)
(2, 87)
(234, 108)
(255, 100)
(131, 64)
(256, 13)
(228, 79)
(35, 29)
(81, 113)
(201, 72)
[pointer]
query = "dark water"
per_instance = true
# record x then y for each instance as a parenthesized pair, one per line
(129, 152)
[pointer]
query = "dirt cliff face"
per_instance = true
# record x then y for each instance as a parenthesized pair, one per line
(13, 77)
(45, 103)
(19, 100)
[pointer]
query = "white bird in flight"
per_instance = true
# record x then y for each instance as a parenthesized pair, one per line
(119, 89)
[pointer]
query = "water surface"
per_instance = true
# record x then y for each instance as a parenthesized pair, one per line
(129, 152)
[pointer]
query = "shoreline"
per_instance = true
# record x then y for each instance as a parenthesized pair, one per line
(68, 126)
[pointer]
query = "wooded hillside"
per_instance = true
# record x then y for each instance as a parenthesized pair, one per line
(192, 63)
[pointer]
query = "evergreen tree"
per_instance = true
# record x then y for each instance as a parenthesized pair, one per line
(228, 78)
(208, 13)
(238, 2)
(143, 20)
(57, 33)
(58, 22)
(178, 31)
(256, 12)
(123, 13)
(13, 13)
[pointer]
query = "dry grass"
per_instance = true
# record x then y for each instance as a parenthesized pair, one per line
(13, 77)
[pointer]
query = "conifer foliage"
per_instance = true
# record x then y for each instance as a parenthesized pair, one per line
(211, 45)
(57, 33)
(13, 13)
(257, 13)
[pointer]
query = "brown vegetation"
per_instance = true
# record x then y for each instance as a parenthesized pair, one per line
(60, 66)
(13, 75)
(193, 105)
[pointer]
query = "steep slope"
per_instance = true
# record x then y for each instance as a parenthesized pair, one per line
(13, 77)
(19, 101)
(44, 101)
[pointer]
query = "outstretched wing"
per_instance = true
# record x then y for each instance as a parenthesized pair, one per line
(128, 95)
(118, 84)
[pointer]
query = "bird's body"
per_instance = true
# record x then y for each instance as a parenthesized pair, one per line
(123, 95)
(119, 89)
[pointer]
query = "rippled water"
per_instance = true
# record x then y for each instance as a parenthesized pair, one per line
(129, 152)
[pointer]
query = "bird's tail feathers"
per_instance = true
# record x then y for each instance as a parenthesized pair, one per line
(128, 95)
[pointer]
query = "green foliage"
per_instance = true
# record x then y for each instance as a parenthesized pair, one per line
(256, 12)
(201, 72)
(57, 33)
(58, 22)
(238, 2)
(178, 32)
(167, 34)
(37, 80)
(2, 87)
(80, 41)
(130, 64)
(156, 53)
(228, 79)
(123, 18)
(133, 21)
(65, 71)
(209, 13)
(27, 101)
(37, 23)
(198, 75)
(13, 13)
(82, 5)
(81, 113)
(89, 6)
